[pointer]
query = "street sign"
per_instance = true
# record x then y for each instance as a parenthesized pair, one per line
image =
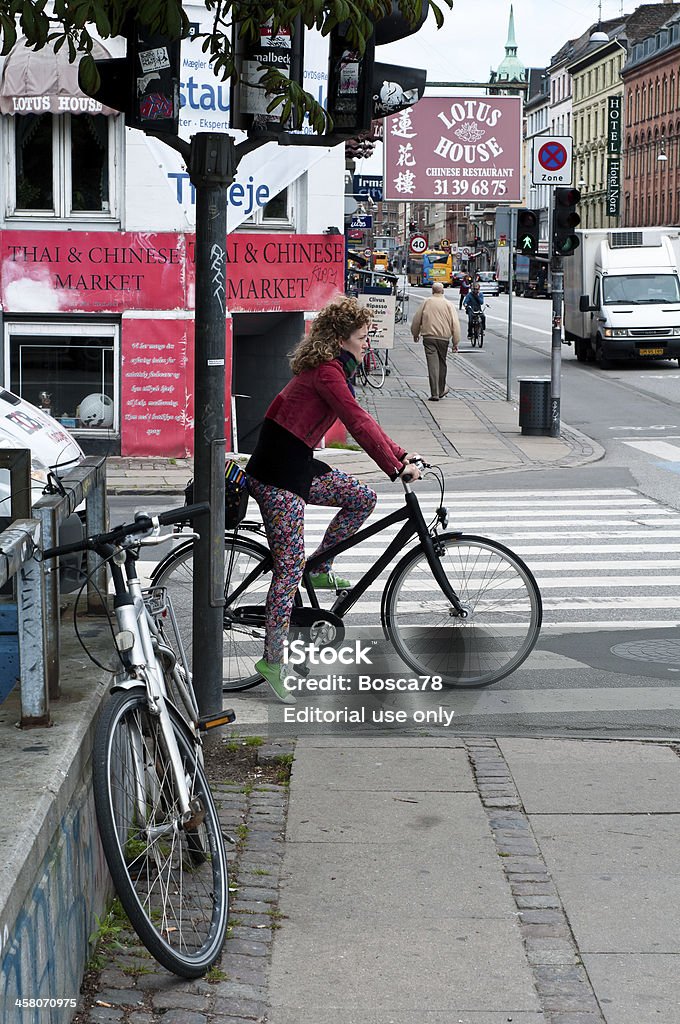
(361, 221)
(368, 185)
(368, 252)
(552, 160)
(458, 149)
(417, 244)
(445, 245)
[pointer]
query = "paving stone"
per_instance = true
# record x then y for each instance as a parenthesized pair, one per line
(248, 969)
(240, 906)
(180, 1016)
(537, 902)
(119, 997)
(137, 1017)
(522, 876)
(249, 894)
(255, 934)
(576, 1018)
(526, 866)
(533, 889)
(518, 847)
(105, 1015)
(247, 947)
(500, 802)
(179, 999)
(547, 931)
(541, 917)
(114, 977)
(253, 1008)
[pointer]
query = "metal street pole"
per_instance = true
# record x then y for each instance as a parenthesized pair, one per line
(212, 164)
(557, 288)
(556, 345)
(511, 282)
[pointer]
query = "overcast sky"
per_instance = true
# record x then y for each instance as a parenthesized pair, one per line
(473, 39)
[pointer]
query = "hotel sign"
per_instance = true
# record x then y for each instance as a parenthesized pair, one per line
(613, 186)
(614, 127)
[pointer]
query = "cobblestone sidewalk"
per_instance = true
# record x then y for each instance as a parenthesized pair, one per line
(127, 986)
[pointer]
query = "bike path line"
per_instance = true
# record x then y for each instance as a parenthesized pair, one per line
(526, 327)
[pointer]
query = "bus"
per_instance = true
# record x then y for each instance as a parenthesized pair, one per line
(381, 260)
(437, 266)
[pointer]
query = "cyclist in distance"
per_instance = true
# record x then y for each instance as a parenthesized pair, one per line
(474, 303)
(283, 475)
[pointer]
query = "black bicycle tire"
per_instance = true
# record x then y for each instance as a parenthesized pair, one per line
(106, 767)
(391, 630)
(181, 556)
(372, 382)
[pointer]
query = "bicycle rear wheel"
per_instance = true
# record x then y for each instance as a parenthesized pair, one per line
(502, 601)
(243, 642)
(171, 876)
(374, 369)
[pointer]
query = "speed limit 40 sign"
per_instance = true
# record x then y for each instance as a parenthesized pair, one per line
(417, 244)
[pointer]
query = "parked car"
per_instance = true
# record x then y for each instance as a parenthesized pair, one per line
(53, 450)
(488, 281)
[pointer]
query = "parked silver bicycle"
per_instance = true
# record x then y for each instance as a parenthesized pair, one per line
(157, 819)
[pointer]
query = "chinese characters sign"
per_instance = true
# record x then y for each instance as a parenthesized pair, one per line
(455, 148)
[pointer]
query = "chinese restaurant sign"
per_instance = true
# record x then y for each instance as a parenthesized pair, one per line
(455, 149)
(68, 271)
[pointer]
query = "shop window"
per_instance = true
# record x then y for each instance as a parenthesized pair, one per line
(71, 370)
(62, 166)
(277, 212)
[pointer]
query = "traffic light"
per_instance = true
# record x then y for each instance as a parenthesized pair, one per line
(359, 89)
(565, 221)
(143, 85)
(526, 243)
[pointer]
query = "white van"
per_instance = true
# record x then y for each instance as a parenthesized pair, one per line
(53, 449)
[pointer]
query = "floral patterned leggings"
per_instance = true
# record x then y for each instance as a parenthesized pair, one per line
(283, 514)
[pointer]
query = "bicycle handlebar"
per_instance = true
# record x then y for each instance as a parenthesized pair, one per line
(407, 478)
(142, 524)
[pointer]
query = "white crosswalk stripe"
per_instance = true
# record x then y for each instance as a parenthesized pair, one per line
(604, 559)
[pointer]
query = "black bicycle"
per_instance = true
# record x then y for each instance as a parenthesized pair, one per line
(459, 606)
(476, 328)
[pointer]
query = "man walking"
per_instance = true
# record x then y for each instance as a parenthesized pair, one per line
(436, 321)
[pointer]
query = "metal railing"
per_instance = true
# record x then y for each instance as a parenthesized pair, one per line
(37, 584)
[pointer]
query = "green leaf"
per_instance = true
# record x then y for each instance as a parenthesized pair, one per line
(88, 74)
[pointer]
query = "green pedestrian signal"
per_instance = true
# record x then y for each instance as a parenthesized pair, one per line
(526, 240)
(565, 221)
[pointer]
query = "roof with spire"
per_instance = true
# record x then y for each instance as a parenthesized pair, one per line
(511, 68)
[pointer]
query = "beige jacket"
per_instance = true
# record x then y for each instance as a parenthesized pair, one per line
(436, 318)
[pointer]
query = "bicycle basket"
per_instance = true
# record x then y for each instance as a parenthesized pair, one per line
(235, 494)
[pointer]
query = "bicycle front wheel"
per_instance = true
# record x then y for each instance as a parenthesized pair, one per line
(243, 641)
(375, 369)
(501, 599)
(170, 874)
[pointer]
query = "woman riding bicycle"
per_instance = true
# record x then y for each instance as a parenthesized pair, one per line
(283, 474)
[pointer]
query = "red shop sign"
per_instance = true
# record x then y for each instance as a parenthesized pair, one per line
(59, 271)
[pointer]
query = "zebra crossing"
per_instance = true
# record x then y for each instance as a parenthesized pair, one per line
(607, 562)
(602, 558)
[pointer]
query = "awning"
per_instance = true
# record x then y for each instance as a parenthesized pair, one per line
(42, 81)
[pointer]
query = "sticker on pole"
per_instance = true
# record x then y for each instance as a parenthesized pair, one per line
(552, 160)
(417, 244)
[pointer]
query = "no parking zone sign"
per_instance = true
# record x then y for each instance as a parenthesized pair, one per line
(552, 160)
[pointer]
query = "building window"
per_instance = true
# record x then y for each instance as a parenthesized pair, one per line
(69, 368)
(62, 166)
(278, 212)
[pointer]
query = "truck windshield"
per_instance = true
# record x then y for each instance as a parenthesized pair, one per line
(640, 289)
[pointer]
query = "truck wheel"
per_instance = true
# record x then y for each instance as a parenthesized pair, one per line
(600, 359)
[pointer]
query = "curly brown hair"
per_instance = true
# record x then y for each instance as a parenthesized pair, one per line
(333, 324)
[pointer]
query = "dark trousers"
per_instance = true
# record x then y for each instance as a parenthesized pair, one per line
(435, 354)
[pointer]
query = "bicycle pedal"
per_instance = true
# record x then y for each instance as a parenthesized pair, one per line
(207, 722)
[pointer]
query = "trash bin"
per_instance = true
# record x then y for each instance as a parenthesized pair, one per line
(534, 405)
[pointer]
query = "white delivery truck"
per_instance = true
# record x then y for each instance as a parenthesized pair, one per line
(622, 295)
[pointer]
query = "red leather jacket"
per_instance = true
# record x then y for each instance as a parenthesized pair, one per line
(312, 401)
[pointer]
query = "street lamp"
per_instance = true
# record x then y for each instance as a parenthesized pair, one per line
(662, 158)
